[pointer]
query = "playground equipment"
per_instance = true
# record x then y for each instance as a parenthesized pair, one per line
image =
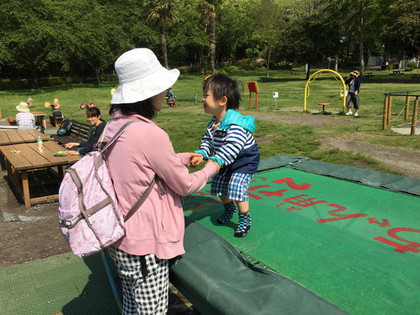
(252, 88)
(387, 113)
(313, 77)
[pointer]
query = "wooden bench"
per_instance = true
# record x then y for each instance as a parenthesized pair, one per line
(368, 75)
(79, 133)
(12, 120)
(55, 121)
(396, 72)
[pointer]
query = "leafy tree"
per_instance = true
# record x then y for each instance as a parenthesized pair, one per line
(163, 14)
(307, 37)
(270, 22)
(190, 40)
(363, 22)
(402, 37)
(209, 8)
(235, 29)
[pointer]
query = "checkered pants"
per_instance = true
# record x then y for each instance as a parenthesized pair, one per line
(234, 187)
(142, 295)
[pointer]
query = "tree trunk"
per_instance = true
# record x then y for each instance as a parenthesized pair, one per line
(268, 61)
(212, 40)
(308, 70)
(97, 76)
(34, 78)
(361, 39)
(164, 48)
(336, 63)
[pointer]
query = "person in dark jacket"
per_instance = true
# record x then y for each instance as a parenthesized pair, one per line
(353, 99)
(94, 119)
(170, 98)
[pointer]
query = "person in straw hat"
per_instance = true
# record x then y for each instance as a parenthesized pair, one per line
(353, 99)
(24, 119)
(154, 234)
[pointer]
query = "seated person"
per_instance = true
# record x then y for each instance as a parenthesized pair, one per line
(24, 119)
(93, 115)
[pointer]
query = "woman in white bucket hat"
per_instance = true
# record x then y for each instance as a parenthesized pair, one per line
(24, 119)
(154, 234)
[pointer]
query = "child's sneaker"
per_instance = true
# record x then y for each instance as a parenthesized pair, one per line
(356, 114)
(349, 113)
(244, 225)
(230, 209)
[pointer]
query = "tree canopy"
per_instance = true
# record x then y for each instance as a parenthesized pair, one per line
(84, 37)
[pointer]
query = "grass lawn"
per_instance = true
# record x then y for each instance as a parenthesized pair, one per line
(185, 123)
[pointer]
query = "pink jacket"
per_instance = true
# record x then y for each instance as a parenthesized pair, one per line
(141, 151)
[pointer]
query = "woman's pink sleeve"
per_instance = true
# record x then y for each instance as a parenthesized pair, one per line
(169, 167)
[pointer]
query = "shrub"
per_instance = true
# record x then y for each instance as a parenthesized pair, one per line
(412, 65)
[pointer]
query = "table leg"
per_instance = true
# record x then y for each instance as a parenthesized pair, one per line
(44, 122)
(60, 173)
(25, 188)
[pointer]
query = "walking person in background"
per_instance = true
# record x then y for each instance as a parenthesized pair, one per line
(143, 152)
(353, 99)
(170, 98)
(230, 142)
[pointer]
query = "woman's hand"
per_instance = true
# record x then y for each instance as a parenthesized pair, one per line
(216, 165)
(72, 152)
(71, 145)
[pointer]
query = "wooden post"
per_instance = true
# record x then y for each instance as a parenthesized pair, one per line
(385, 113)
(25, 189)
(407, 106)
(415, 113)
(389, 109)
(1, 115)
(256, 100)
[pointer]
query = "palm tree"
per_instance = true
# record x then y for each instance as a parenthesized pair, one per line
(209, 8)
(163, 13)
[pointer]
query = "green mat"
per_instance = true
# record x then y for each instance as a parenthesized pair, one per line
(63, 283)
(354, 245)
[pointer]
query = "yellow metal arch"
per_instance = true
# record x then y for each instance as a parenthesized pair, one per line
(313, 77)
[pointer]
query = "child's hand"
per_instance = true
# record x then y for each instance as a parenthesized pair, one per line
(196, 159)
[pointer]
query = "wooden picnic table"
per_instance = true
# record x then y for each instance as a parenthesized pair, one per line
(16, 136)
(40, 119)
(25, 157)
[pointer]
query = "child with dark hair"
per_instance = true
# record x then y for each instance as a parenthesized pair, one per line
(230, 142)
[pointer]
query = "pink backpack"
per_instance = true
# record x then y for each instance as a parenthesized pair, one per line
(89, 214)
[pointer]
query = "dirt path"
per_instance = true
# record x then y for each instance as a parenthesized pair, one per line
(398, 159)
(401, 160)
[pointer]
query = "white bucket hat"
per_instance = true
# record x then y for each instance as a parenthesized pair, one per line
(22, 107)
(141, 76)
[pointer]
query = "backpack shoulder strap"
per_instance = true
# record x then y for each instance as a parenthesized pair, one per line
(141, 200)
(118, 133)
(152, 183)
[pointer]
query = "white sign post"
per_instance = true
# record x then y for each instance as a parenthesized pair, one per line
(275, 96)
